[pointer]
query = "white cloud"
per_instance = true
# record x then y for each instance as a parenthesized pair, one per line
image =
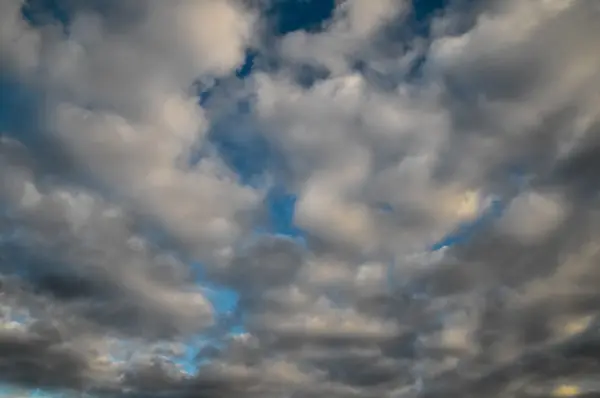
(355, 22)
(120, 103)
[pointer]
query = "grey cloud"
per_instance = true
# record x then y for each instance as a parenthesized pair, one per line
(381, 173)
(537, 367)
(267, 263)
(539, 123)
(76, 247)
(130, 92)
(37, 364)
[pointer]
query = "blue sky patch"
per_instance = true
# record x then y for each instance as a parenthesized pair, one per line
(281, 208)
(46, 12)
(292, 15)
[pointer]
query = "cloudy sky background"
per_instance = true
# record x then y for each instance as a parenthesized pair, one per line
(289, 199)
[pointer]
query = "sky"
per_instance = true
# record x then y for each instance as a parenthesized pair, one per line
(299, 198)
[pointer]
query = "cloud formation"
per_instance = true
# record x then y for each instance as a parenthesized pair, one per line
(120, 208)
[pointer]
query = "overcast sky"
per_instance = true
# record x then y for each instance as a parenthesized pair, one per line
(299, 198)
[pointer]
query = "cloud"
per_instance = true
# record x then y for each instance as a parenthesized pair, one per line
(389, 140)
(353, 25)
(532, 215)
(39, 363)
(72, 244)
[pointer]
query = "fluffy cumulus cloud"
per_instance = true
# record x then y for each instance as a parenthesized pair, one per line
(394, 201)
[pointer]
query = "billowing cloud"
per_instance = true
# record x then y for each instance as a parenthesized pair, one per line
(441, 172)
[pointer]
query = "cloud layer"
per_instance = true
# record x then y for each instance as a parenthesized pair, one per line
(137, 173)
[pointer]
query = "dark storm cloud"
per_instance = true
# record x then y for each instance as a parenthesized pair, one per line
(40, 361)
